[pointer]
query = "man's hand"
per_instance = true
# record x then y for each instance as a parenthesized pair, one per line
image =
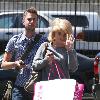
(20, 64)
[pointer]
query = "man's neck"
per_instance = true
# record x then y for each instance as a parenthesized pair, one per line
(30, 34)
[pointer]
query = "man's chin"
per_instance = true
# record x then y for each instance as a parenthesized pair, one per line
(31, 29)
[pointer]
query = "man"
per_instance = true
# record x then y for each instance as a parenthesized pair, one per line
(14, 50)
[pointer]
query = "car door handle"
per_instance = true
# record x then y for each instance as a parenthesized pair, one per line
(9, 33)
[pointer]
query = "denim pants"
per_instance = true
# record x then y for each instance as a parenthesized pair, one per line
(18, 93)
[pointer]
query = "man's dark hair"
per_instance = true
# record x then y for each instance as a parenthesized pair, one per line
(30, 10)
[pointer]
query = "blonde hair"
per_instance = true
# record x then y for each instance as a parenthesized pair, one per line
(60, 25)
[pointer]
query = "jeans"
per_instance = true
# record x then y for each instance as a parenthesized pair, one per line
(18, 93)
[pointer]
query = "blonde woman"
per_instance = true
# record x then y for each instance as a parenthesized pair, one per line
(59, 48)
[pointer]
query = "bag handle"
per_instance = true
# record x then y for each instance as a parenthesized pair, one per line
(59, 71)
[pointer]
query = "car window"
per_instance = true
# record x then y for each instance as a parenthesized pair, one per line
(6, 21)
(42, 22)
(15, 21)
(79, 21)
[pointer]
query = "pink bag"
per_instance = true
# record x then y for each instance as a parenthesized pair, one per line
(79, 89)
(58, 89)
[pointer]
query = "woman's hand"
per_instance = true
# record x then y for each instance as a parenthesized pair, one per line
(50, 56)
(69, 45)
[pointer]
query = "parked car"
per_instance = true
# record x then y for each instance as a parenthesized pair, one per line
(97, 68)
(96, 85)
(85, 25)
(88, 24)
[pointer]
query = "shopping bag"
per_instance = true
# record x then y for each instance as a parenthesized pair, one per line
(64, 89)
(58, 89)
(55, 89)
(79, 89)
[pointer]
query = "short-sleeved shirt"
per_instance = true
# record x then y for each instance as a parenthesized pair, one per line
(17, 45)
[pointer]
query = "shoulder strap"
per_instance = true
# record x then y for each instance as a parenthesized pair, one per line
(30, 46)
(46, 48)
